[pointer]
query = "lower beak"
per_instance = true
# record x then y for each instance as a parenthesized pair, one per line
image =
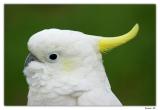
(29, 59)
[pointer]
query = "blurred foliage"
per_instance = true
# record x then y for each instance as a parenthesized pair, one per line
(130, 68)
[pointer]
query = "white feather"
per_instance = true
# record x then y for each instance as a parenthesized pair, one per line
(80, 81)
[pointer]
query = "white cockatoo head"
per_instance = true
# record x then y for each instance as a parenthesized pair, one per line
(64, 52)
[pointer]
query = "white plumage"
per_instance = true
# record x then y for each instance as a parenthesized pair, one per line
(75, 77)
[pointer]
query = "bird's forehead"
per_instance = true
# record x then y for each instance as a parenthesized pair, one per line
(55, 38)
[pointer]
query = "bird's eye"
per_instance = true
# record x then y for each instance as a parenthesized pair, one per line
(53, 56)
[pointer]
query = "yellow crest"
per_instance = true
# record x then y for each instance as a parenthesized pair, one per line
(107, 43)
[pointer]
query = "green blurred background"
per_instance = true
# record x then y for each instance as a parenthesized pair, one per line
(130, 68)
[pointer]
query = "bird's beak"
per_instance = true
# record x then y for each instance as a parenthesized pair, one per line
(107, 43)
(30, 58)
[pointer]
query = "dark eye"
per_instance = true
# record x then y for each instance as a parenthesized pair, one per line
(53, 56)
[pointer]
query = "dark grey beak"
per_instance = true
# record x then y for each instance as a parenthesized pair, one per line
(30, 58)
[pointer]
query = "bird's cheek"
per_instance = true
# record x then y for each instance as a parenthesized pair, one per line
(68, 65)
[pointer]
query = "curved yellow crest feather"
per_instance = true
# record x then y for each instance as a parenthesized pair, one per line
(107, 43)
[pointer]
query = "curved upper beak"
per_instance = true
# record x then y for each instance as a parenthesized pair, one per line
(30, 58)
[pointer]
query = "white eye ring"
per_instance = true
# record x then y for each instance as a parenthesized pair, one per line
(52, 57)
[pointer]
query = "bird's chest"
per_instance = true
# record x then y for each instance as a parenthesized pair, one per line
(57, 89)
(60, 85)
(54, 91)
(50, 98)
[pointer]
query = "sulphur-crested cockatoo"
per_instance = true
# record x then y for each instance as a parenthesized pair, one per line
(65, 67)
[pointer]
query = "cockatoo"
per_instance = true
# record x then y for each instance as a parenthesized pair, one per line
(65, 67)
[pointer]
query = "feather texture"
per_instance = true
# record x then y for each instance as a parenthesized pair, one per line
(76, 77)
